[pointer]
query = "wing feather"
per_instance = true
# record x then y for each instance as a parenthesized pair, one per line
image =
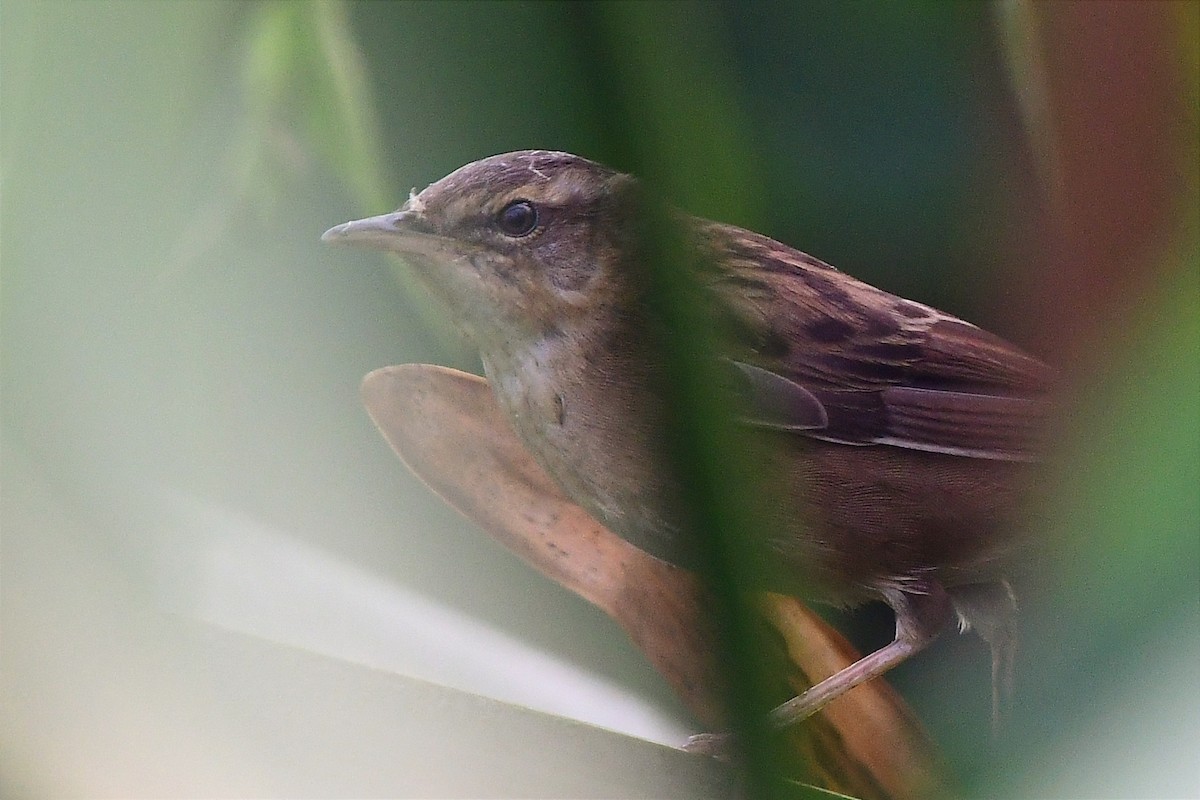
(884, 370)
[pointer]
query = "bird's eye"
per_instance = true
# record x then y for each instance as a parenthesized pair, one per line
(518, 218)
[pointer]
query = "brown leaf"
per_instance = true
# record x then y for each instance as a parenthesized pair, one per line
(447, 428)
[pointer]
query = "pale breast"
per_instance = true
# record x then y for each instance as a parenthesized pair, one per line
(594, 435)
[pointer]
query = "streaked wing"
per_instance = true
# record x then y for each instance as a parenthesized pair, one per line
(885, 370)
(976, 425)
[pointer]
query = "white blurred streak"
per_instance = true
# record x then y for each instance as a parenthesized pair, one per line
(105, 695)
(234, 572)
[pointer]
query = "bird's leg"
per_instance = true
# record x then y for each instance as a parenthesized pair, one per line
(922, 613)
(919, 620)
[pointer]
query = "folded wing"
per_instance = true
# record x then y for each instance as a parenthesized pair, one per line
(827, 356)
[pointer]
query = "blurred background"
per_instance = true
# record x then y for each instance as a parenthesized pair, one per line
(217, 579)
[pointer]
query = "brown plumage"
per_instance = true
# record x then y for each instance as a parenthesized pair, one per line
(901, 431)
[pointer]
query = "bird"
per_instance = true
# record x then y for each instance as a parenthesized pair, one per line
(897, 438)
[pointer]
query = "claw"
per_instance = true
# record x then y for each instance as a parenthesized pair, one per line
(716, 745)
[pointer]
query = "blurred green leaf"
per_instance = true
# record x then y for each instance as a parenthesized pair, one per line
(691, 146)
(345, 125)
(303, 64)
(1017, 24)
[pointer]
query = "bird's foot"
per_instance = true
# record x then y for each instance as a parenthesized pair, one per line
(716, 745)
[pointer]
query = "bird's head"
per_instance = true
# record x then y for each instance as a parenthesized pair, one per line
(517, 244)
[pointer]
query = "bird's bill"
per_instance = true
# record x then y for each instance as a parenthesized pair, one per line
(402, 231)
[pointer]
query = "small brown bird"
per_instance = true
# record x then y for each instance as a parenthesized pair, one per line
(897, 432)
